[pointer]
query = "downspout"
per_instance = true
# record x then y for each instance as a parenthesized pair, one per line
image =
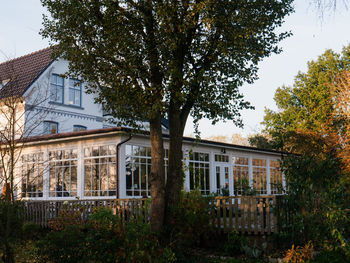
(117, 162)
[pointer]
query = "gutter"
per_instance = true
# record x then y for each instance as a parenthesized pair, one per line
(117, 163)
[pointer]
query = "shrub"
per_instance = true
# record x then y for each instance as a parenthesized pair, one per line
(191, 220)
(300, 254)
(11, 226)
(314, 208)
(68, 216)
(103, 238)
(235, 243)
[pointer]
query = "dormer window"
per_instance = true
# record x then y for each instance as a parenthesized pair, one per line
(56, 88)
(74, 92)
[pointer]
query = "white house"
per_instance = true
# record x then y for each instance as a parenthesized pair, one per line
(73, 152)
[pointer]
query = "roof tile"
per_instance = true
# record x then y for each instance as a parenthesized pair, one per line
(22, 71)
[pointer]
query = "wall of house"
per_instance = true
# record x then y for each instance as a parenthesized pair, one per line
(88, 114)
(47, 168)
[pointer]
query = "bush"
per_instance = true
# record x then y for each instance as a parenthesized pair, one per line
(191, 221)
(315, 207)
(300, 254)
(11, 226)
(235, 243)
(103, 238)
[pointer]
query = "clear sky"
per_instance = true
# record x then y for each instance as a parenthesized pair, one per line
(20, 22)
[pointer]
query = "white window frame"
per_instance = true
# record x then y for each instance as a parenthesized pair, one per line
(48, 127)
(64, 162)
(89, 160)
(75, 92)
(56, 89)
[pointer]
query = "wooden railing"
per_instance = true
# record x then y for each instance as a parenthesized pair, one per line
(41, 212)
(246, 214)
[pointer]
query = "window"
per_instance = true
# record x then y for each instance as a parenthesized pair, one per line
(221, 158)
(63, 173)
(32, 175)
(56, 88)
(240, 175)
(275, 177)
(259, 176)
(79, 128)
(199, 172)
(138, 168)
(74, 92)
(50, 127)
(100, 171)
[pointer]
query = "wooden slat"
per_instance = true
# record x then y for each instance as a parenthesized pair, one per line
(255, 213)
(261, 216)
(249, 210)
(236, 214)
(230, 200)
(224, 214)
(218, 213)
(268, 221)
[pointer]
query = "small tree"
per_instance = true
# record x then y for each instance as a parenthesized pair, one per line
(19, 119)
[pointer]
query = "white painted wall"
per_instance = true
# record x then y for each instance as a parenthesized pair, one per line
(88, 115)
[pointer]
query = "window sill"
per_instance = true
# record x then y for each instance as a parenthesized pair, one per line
(66, 105)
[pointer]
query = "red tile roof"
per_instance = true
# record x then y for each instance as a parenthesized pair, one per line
(22, 71)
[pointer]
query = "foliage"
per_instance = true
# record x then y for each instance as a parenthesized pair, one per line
(148, 60)
(242, 185)
(235, 243)
(68, 216)
(252, 251)
(333, 256)
(300, 254)
(195, 209)
(11, 225)
(218, 52)
(261, 141)
(315, 207)
(103, 238)
(305, 121)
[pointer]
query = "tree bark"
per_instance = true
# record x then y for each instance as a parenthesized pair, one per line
(175, 177)
(157, 176)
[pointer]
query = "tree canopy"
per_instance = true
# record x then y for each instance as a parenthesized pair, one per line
(151, 59)
(307, 110)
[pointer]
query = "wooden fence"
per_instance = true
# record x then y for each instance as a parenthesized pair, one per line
(41, 212)
(247, 214)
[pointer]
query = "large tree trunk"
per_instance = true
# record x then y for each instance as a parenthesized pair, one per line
(157, 176)
(175, 172)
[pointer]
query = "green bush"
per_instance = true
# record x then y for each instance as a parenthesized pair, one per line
(315, 206)
(11, 226)
(235, 243)
(331, 256)
(103, 238)
(191, 221)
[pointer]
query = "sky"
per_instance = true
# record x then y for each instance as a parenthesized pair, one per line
(21, 20)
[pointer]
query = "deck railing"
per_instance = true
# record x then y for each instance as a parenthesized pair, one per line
(41, 212)
(246, 214)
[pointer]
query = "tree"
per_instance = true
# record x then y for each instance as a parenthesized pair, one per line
(151, 59)
(305, 121)
(236, 138)
(19, 119)
(261, 141)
